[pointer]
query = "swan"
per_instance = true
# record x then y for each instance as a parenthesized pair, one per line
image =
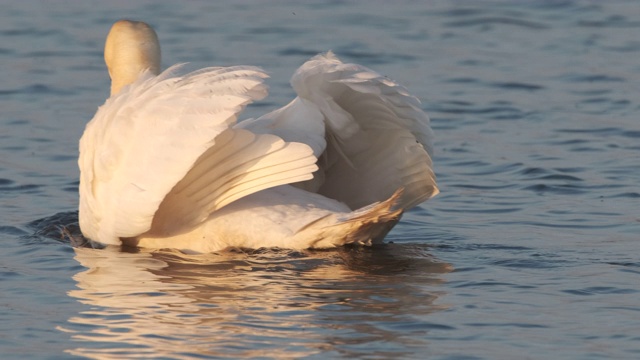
(164, 163)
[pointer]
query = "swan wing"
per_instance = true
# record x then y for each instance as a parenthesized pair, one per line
(150, 150)
(299, 121)
(370, 134)
(378, 138)
(239, 164)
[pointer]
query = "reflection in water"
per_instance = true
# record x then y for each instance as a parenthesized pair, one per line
(264, 303)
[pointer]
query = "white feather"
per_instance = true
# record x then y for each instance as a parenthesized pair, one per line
(377, 138)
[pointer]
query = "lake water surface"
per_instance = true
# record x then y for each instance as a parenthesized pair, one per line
(531, 251)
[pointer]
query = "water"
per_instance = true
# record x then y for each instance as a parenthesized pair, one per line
(530, 251)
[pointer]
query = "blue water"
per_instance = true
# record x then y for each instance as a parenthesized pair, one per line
(531, 251)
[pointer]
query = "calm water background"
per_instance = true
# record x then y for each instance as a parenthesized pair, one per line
(530, 251)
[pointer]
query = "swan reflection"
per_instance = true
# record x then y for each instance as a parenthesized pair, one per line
(273, 303)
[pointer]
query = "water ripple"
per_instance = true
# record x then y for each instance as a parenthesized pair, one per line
(592, 78)
(613, 21)
(516, 325)
(485, 22)
(518, 86)
(37, 89)
(21, 188)
(600, 290)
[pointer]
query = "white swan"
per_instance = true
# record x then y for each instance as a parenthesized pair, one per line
(164, 164)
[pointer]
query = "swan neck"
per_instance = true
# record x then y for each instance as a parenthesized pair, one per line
(132, 47)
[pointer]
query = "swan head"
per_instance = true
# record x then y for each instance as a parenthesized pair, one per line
(131, 48)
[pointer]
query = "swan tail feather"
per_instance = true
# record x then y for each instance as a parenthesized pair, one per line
(365, 226)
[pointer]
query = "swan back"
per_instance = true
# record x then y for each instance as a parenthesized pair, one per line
(131, 48)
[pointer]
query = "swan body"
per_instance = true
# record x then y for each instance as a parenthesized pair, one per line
(164, 163)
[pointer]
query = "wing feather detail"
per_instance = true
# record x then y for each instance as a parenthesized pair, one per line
(375, 137)
(239, 164)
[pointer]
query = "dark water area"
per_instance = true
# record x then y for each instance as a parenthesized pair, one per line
(530, 251)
